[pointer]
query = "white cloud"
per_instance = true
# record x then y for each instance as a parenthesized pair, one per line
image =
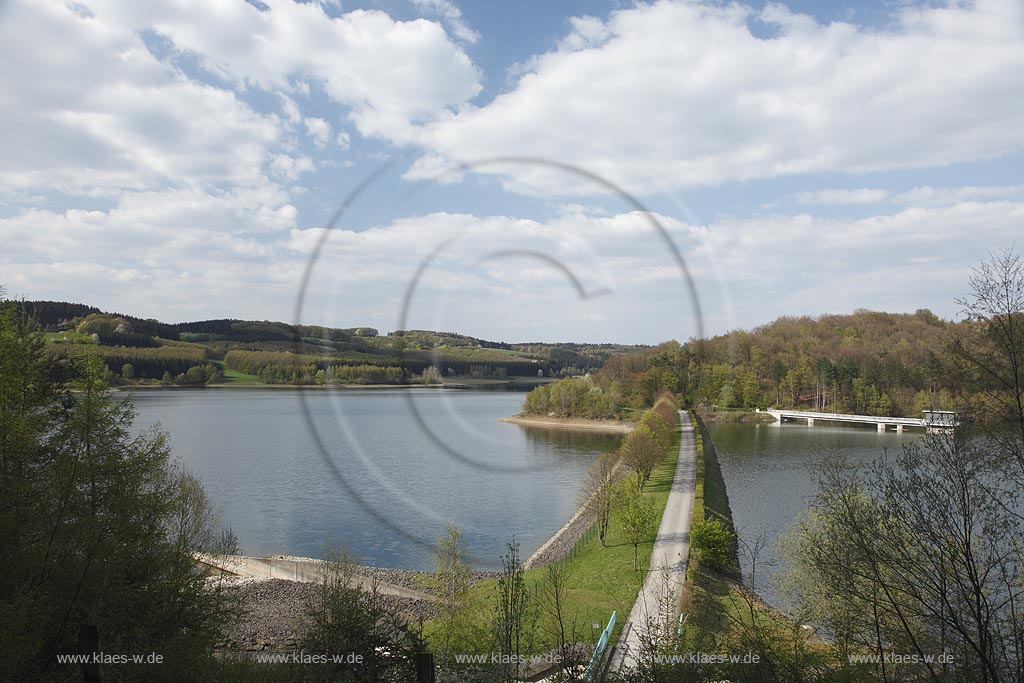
(937, 196)
(344, 140)
(434, 168)
(290, 168)
(864, 195)
(88, 110)
(319, 130)
(804, 265)
(175, 253)
(747, 270)
(390, 74)
(452, 16)
(185, 254)
(682, 94)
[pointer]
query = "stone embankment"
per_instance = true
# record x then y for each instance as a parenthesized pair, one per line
(275, 612)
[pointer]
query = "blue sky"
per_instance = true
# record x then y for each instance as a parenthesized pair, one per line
(180, 160)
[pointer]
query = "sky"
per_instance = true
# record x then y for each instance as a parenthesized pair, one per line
(522, 171)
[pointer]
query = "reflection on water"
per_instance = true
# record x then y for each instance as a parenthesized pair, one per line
(770, 477)
(254, 453)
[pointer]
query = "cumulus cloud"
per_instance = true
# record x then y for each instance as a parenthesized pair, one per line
(926, 195)
(450, 13)
(319, 130)
(864, 195)
(88, 110)
(91, 110)
(389, 74)
(576, 275)
(747, 270)
(677, 95)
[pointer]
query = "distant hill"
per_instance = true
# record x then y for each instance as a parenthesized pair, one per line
(866, 362)
(139, 350)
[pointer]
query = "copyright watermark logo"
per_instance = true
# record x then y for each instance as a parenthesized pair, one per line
(452, 266)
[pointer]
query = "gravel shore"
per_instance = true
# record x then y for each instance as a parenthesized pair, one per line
(275, 612)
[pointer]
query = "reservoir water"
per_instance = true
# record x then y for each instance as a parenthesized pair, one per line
(417, 458)
(769, 472)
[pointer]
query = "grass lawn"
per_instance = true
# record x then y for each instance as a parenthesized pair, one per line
(68, 338)
(236, 377)
(600, 580)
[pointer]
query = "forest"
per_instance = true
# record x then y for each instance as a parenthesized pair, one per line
(146, 351)
(866, 362)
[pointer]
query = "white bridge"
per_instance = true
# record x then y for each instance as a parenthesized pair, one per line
(932, 420)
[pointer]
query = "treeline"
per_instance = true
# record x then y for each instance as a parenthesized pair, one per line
(51, 314)
(865, 363)
(97, 523)
(451, 354)
(608, 495)
(282, 367)
(428, 338)
(160, 363)
(288, 368)
(573, 396)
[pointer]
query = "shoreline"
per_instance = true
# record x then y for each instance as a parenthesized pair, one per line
(455, 385)
(575, 423)
(747, 416)
(233, 385)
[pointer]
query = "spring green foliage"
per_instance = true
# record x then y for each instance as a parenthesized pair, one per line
(96, 522)
(450, 581)
(348, 620)
(636, 515)
(713, 541)
(865, 363)
(571, 397)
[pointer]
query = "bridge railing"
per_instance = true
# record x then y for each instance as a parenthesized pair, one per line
(844, 417)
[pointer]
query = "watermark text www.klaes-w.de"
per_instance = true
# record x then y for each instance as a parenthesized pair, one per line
(505, 658)
(898, 658)
(302, 657)
(708, 658)
(110, 658)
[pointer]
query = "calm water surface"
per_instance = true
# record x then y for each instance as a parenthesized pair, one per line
(256, 455)
(769, 473)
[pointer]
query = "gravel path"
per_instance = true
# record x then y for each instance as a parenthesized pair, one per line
(667, 569)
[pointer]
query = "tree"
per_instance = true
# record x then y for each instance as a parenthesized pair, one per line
(713, 541)
(451, 580)
(552, 598)
(636, 517)
(512, 614)
(598, 492)
(89, 512)
(357, 625)
(920, 555)
(127, 371)
(641, 451)
(992, 351)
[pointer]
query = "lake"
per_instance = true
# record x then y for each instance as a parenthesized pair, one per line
(769, 474)
(395, 467)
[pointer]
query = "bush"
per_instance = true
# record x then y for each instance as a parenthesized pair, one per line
(713, 541)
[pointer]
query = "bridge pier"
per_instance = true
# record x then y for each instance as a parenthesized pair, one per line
(810, 422)
(899, 429)
(881, 426)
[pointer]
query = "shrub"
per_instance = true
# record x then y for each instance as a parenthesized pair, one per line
(713, 541)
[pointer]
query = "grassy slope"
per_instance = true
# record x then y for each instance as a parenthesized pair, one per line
(235, 376)
(601, 580)
(715, 608)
